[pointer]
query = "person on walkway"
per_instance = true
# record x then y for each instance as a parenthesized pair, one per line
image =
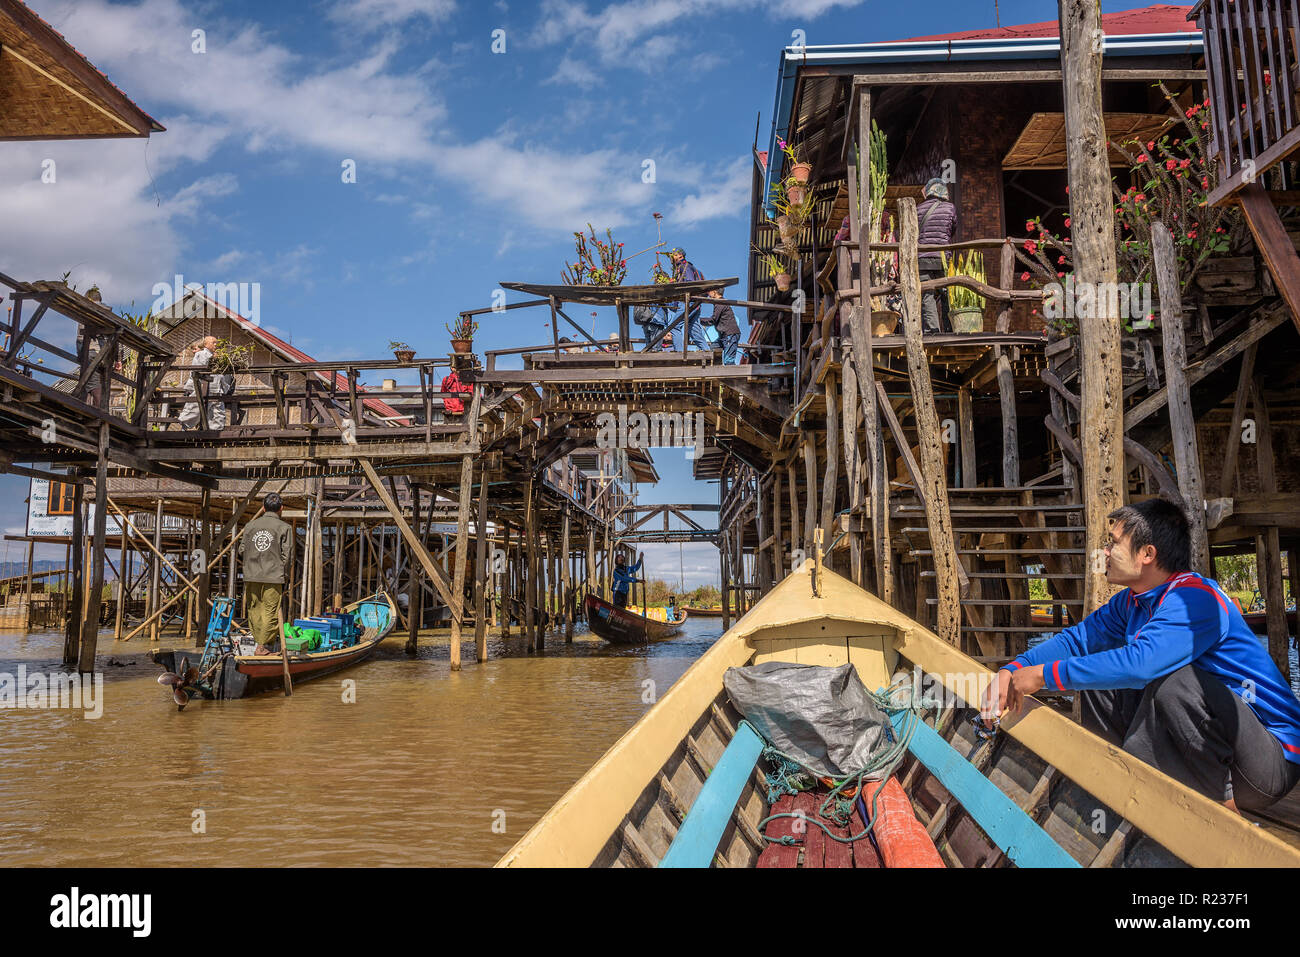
(265, 551)
(1170, 671)
(936, 221)
(624, 579)
(724, 322)
(653, 319)
(189, 417)
(684, 271)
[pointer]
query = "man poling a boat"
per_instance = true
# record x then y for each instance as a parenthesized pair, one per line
(624, 579)
(1169, 670)
(265, 551)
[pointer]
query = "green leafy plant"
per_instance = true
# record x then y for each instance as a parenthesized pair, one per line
(463, 328)
(771, 263)
(228, 358)
(970, 265)
(396, 345)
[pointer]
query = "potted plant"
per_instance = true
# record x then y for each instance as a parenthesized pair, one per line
(462, 334)
(885, 313)
(800, 172)
(775, 268)
(965, 306)
(401, 351)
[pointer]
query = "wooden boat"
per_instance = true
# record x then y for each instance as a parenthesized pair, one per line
(242, 676)
(622, 626)
(693, 612)
(1042, 792)
(1258, 621)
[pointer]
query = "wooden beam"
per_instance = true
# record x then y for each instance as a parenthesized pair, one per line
(462, 558)
(1182, 419)
(1274, 244)
(1232, 447)
(1267, 545)
(436, 575)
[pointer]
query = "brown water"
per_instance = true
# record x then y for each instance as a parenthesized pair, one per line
(416, 772)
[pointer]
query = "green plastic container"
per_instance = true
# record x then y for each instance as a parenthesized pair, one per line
(301, 639)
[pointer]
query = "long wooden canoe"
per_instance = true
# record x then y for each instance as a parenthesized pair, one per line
(622, 626)
(1042, 792)
(691, 611)
(241, 676)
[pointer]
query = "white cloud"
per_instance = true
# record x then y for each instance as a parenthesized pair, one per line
(574, 72)
(372, 14)
(727, 195)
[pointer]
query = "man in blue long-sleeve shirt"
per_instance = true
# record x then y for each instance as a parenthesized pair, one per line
(684, 271)
(1169, 670)
(624, 578)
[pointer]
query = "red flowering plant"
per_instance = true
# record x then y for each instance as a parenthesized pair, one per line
(598, 263)
(1172, 178)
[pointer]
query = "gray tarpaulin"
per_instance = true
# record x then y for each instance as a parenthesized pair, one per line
(821, 717)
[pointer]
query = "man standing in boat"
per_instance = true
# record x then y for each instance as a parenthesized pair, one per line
(265, 551)
(624, 579)
(1169, 670)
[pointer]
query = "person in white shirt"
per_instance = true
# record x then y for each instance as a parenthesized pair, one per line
(189, 417)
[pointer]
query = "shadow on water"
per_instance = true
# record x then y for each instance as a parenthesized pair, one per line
(427, 767)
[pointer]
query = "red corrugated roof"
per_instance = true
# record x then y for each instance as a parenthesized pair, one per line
(289, 352)
(1160, 18)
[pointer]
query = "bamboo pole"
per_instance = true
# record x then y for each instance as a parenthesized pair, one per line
(462, 548)
(481, 569)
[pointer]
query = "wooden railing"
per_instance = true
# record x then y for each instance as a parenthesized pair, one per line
(1251, 59)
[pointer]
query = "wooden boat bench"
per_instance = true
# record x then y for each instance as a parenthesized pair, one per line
(1013, 831)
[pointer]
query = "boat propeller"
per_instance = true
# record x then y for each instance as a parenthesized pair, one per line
(181, 686)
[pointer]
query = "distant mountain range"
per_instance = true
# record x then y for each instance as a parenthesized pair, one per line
(12, 569)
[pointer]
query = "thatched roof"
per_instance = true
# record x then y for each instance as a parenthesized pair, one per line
(50, 91)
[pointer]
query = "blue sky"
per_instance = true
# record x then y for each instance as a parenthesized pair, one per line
(472, 167)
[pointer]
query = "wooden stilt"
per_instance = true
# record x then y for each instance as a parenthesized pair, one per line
(935, 491)
(566, 584)
(155, 578)
(1267, 546)
(1092, 211)
(462, 557)
(414, 593)
(72, 634)
(830, 480)
(1182, 419)
(481, 572)
(530, 566)
(810, 497)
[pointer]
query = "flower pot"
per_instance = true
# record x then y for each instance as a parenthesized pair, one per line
(404, 355)
(800, 172)
(782, 281)
(967, 319)
(795, 194)
(884, 322)
(462, 345)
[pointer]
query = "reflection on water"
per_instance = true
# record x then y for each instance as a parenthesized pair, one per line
(414, 773)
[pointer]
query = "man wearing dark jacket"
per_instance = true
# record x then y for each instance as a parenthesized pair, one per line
(724, 321)
(936, 220)
(265, 551)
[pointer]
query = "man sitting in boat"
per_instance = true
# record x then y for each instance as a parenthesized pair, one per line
(1169, 670)
(265, 551)
(624, 578)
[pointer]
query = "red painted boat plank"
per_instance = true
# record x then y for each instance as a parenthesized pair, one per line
(780, 855)
(814, 844)
(864, 850)
(838, 854)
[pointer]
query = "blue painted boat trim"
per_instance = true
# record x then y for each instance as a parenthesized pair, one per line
(707, 820)
(1010, 828)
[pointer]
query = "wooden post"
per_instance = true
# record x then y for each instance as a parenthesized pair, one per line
(853, 468)
(566, 583)
(938, 518)
(414, 593)
(155, 579)
(27, 587)
(530, 565)
(462, 558)
(1092, 213)
(317, 551)
(778, 545)
(966, 428)
(72, 634)
(796, 540)
(831, 479)
(810, 496)
(760, 512)
(481, 569)
(1267, 545)
(1006, 381)
(1182, 419)
(90, 631)
(204, 605)
(1233, 446)
(724, 578)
